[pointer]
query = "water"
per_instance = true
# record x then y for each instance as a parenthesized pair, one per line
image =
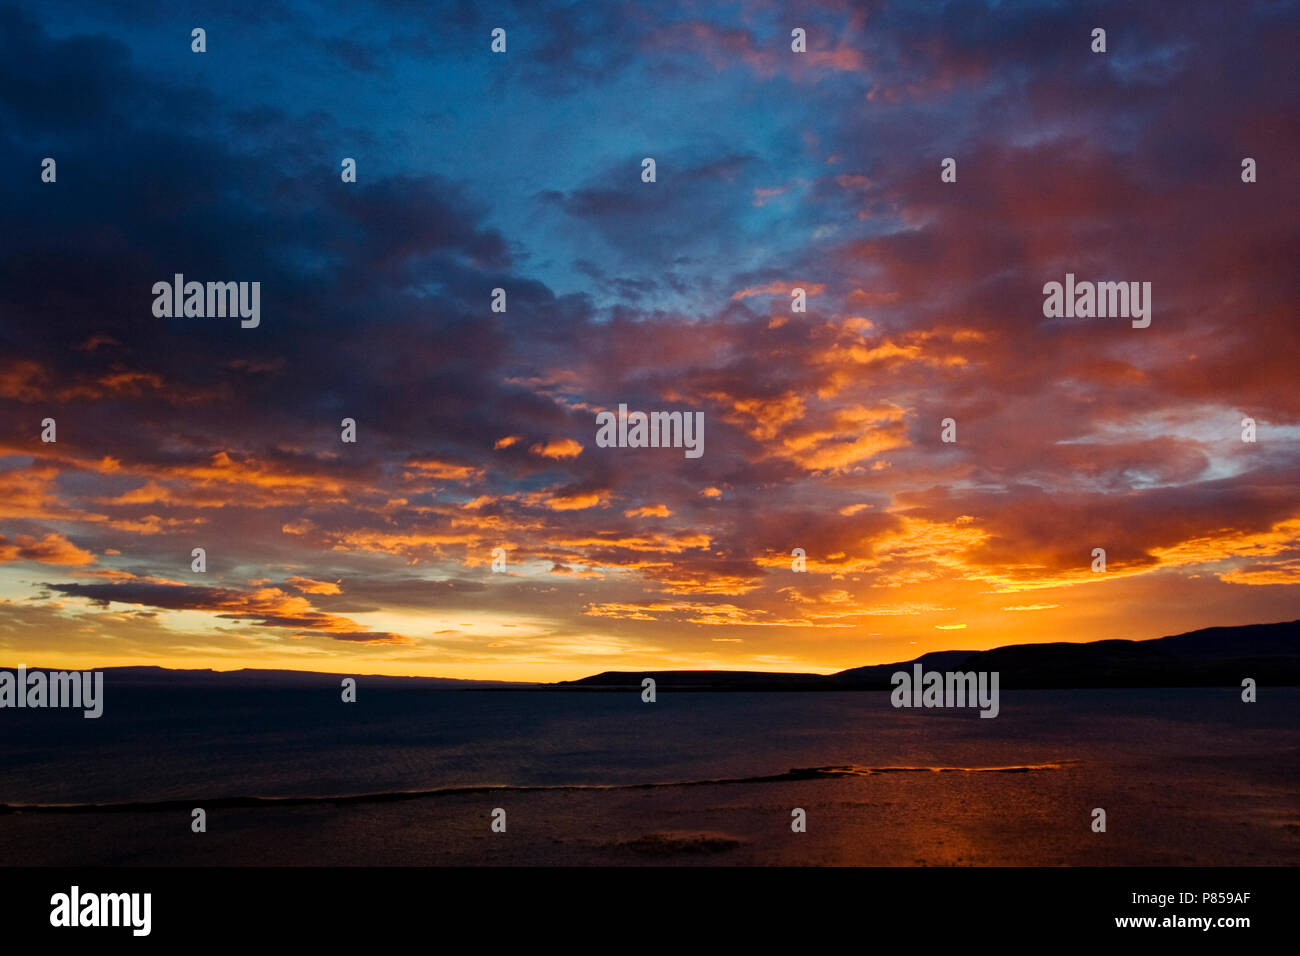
(1186, 776)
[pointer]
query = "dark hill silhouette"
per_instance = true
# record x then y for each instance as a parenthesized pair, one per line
(1214, 656)
(248, 677)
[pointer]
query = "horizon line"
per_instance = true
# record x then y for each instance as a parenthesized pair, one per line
(648, 670)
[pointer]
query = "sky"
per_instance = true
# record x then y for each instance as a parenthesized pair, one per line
(775, 170)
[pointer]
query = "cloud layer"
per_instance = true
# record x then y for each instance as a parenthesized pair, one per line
(476, 428)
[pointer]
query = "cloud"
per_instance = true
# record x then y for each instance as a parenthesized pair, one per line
(265, 607)
(51, 549)
(308, 586)
(558, 448)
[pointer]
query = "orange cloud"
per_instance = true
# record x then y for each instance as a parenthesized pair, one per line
(431, 468)
(780, 288)
(559, 448)
(648, 511)
(52, 549)
(577, 501)
(310, 586)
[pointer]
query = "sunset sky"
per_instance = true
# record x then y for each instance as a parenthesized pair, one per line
(476, 430)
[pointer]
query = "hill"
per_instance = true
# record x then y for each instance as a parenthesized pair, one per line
(1215, 656)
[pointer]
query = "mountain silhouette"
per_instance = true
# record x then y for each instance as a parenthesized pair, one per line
(1211, 657)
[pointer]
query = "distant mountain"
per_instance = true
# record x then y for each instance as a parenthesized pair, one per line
(253, 678)
(696, 680)
(1212, 657)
